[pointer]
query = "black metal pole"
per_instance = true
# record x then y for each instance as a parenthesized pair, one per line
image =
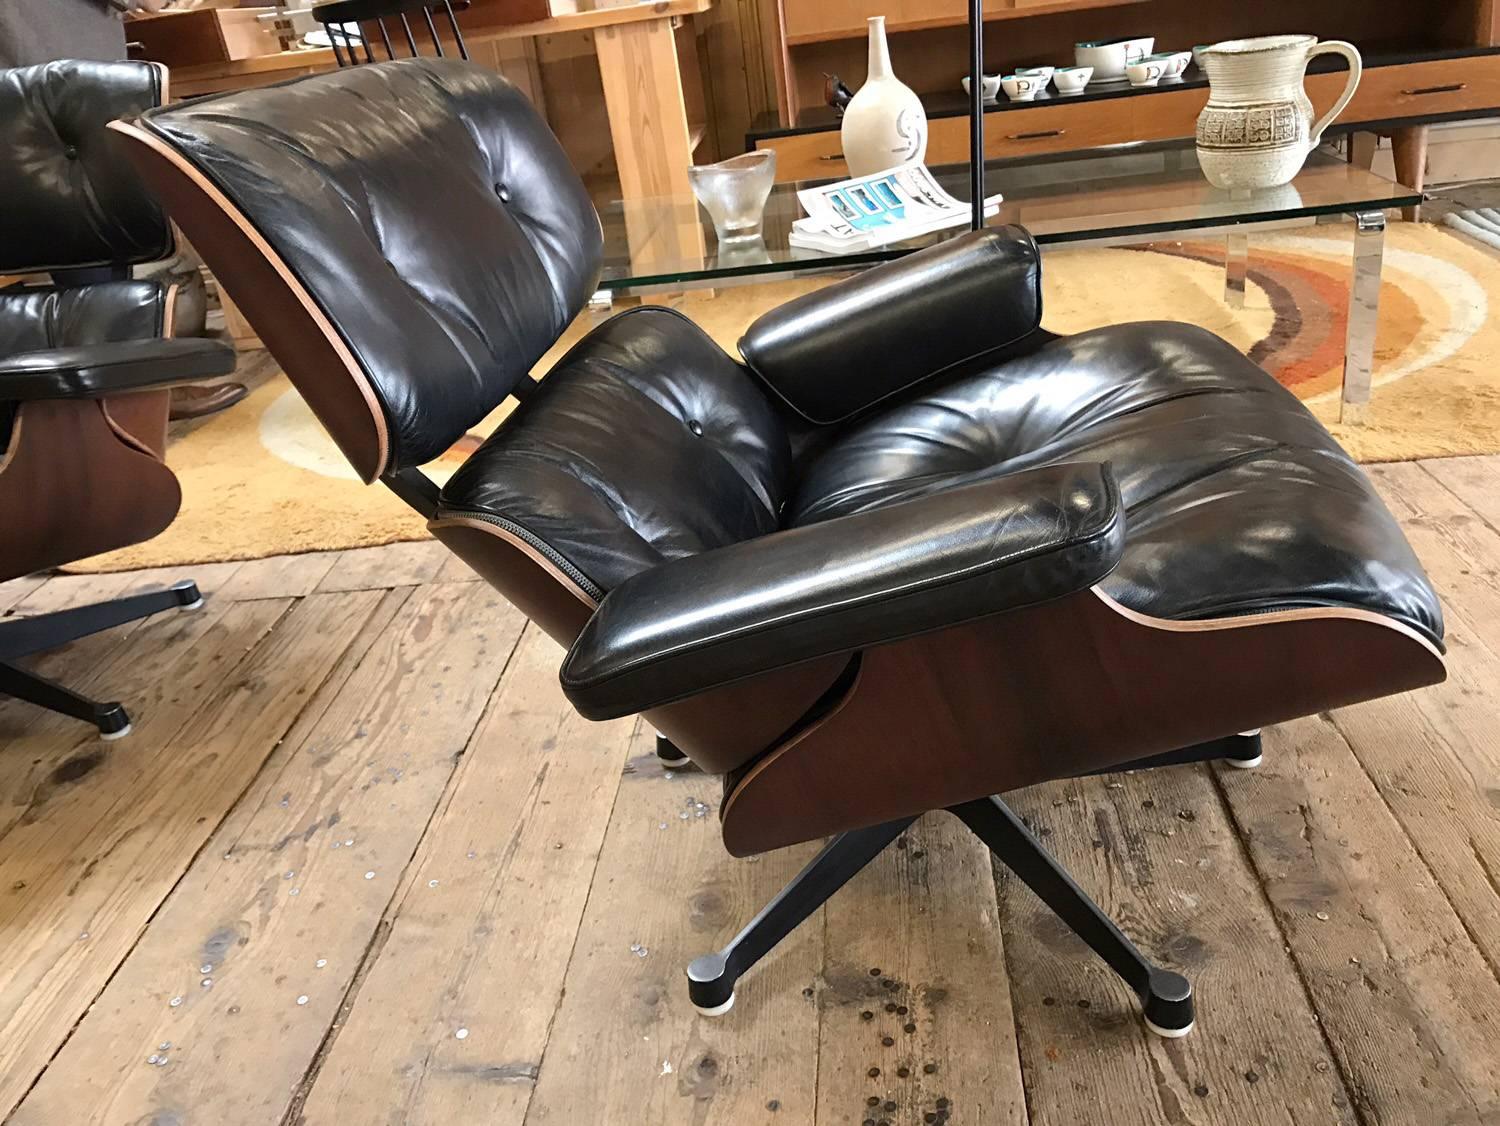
(976, 113)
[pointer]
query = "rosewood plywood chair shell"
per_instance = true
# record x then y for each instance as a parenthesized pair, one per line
(1066, 688)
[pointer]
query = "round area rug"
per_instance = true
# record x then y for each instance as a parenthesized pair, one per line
(263, 479)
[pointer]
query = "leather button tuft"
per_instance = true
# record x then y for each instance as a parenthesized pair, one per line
(503, 192)
(71, 152)
(696, 427)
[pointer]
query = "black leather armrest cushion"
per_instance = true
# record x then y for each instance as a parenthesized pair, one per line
(109, 369)
(837, 351)
(845, 584)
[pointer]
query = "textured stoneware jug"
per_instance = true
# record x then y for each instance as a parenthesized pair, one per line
(884, 124)
(1257, 128)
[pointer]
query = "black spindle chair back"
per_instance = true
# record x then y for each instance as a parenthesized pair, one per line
(397, 37)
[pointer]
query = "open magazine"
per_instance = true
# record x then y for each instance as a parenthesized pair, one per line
(885, 207)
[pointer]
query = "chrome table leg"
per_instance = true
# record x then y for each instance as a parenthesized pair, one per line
(1364, 315)
(1236, 260)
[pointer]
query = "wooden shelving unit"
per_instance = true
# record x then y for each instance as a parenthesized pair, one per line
(1431, 61)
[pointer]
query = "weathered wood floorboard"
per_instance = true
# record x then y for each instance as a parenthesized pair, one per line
(452, 1016)
(626, 1046)
(1338, 910)
(285, 901)
(1156, 850)
(924, 915)
(86, 875)
(1405, 998)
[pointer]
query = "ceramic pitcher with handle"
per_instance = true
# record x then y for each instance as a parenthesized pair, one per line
(1258, 126)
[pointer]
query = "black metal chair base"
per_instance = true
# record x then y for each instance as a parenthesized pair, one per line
(670, 756)
(20, 637)
(1166, 997)
(1242, 751)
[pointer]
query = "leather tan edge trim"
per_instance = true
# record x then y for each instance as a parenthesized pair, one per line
(520, 545)
(164, 95)
(1201, 625)
(135, 133)
(8, 454)
(163, 81)
(168, 310)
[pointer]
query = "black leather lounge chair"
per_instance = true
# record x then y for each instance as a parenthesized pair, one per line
(84, 368)
(913, 552)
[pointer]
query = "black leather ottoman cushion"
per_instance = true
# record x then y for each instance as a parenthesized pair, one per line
(1237, 499)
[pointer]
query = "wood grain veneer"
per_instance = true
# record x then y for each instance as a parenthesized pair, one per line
(1078, 684)
(70, 487)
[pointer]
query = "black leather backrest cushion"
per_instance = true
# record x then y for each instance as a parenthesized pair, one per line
(430, 213)
(69, 196)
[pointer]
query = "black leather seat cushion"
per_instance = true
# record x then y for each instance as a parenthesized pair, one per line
(1237, 500)
(36, 317)
(647, 443)
(644, 443)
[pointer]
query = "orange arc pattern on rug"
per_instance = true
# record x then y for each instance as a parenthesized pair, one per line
(1310, 299)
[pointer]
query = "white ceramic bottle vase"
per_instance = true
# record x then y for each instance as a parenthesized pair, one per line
(1257, 128)
(884, 125)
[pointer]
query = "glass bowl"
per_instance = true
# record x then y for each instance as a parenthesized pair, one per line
(734, 192)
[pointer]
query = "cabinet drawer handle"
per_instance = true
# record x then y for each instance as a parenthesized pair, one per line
(1036, 136)
(831, 156)
(1452, 88)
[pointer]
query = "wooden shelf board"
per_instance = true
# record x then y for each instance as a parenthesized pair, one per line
(833, 35)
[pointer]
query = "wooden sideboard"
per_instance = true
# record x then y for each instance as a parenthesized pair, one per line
(1430, 61)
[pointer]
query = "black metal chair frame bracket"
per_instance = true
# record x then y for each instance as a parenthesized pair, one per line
(20, 637)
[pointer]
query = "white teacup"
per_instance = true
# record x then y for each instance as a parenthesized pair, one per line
(1173, 63)
(989, 86)
(1146, 73)
(1042, 74)
(1020, 87)
(1072, 79)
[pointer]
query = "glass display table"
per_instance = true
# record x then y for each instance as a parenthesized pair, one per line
(1124, 194)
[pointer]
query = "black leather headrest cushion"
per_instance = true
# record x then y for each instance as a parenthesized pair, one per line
(836, 352)
(69, 196)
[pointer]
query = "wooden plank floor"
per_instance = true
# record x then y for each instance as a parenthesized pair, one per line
(359, 863)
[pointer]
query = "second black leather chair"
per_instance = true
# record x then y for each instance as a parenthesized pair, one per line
(914, 552)
(84, 366)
